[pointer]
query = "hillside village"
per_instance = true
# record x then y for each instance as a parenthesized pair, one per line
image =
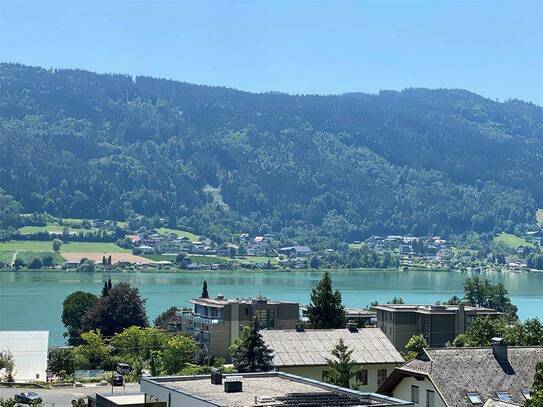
(113, 245)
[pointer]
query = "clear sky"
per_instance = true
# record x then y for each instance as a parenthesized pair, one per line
(492, 48)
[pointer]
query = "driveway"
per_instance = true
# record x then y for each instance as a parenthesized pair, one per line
(63, 396)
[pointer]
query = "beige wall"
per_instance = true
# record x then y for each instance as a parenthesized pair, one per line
(403, 391)
(315, 372)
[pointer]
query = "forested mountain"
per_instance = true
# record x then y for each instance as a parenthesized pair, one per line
(80, 144)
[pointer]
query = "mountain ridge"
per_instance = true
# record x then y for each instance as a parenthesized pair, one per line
(312, 167)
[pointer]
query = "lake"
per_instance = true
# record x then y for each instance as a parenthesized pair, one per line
(33, 300)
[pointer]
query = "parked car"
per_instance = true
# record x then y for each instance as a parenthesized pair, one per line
(28, 398)
(117, 380)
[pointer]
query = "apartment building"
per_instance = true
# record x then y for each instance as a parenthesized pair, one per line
(216, 322)
(438, 324)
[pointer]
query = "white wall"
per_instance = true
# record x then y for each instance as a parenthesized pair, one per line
(315, 372)
(403, 391)
(29, 349)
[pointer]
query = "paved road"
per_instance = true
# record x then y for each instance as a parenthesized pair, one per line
(63, 396)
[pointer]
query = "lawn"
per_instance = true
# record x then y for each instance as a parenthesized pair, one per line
(512, 241)
(47, 246)
(182, 233)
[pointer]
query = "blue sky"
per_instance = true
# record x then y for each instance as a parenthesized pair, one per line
(492, 48)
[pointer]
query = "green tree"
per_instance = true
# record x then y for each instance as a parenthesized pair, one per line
(178, 351)
(62, 361)
(168, 319)
(414, 345)
(182, 260)
(35, 264)
(314, 263)
(94, 352)
(123, 307)
(326, 310)
(536, 393)
(342, 368)
(86, 266)
(204, 294)
(396, 300)
(56, 245)
(249, 351)
(136, 342)
(481, 331)
(482, 293)
(18, 264)
(7, 363)
(74, 307)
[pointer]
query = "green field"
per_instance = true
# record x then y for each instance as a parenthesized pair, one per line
(182, 233)
(256, 259)
(28, 230)
(511, 241)
(73, 247)
(6, 257)
(539, 217)
(28, 256)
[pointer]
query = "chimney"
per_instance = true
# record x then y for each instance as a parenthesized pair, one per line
(352, 327)
(499, 349)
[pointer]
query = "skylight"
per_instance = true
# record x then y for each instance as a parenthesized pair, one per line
(503, 396)
(526, 394)
(474, 398)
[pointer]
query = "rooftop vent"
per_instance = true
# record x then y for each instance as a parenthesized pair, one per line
(219, 297)
(499, 349)
(216, 377)
(233, 384)
(351, 326)
(263, 400)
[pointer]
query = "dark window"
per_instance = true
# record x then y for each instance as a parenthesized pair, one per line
(246, 311)
(362, 377)
(415, 394)
(381, 376)
(430, 398)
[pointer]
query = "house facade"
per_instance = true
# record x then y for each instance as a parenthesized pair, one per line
(466, 377)
(306, 353)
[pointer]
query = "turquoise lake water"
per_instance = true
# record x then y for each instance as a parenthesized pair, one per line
(33, 300)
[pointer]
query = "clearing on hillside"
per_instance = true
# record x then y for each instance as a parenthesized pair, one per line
(512, 241)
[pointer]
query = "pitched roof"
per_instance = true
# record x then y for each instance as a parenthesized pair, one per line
(458, 371)
(314, 347)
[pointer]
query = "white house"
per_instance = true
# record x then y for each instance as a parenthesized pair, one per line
(29, 349)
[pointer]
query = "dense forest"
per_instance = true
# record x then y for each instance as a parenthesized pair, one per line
(220, 161)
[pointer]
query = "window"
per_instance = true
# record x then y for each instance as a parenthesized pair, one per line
(266, 318)
(503, 396)
(526, 394)
(430, 398)
(362, 377)
(381, 376)
(474, 398)
(415, 394)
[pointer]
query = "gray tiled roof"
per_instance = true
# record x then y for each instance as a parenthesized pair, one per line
(458, 371)
(313, 347)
